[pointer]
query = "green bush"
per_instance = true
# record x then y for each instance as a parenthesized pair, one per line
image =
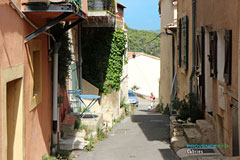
(101, 135)
(188, 108)
(91, 144)
(166, 110)
(45, 157)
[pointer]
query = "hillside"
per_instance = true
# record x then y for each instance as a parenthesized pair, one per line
(141, 41)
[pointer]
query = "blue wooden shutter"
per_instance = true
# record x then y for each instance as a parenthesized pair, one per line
(179, 42)
(185, 41)
(228, 57)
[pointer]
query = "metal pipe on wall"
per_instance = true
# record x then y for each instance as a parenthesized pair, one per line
(57, 46)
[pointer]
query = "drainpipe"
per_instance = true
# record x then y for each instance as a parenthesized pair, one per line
(173, 52)
(57, 45)
(80, 56)
(193, 44)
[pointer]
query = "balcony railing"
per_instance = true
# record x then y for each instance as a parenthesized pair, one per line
(101, 5)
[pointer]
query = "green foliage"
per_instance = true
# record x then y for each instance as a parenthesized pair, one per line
(64, 54)
(188, 108)
(76, 124)
(45, 157)
(166, 110)
(60, 100)
(61, 154)
(82, 127)
(91, 144)
(116, 120)
(101, 135)
(125, 105)
(159, 107)
(134, 88)
(115, 62)
(96, 46)
(103, 50)
(138, 42)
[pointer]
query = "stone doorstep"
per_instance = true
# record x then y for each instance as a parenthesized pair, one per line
(232, 158)
(73, 143)
(193, 136)
(207, 131)
(92, 123)
(178, 142)
(203, 126)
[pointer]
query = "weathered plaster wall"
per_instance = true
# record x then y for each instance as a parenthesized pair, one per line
(185, 9)
(165, 53)
(220, 16)
(144, 72)
(37, 129)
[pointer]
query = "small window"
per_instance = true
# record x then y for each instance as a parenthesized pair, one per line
(36, 72)
(35, 50)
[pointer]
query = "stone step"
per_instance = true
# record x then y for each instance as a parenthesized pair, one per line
(73, 143)
(67, 126)
(178, 142)
(193, 136)
(93, 124)
(207, 131)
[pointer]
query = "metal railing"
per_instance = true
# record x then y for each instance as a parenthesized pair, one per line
(101, 5)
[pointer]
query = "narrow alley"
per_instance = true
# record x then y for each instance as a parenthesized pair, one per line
(142, 136)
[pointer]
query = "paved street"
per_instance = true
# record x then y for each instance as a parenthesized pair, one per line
(142, 136)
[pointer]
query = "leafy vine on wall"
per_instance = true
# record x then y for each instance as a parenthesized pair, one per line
(115, 62)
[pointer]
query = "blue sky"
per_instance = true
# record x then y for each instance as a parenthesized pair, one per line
(142, 14)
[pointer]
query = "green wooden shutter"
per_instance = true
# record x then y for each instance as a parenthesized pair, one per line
(179, 42)
(185, 41)
(228, 57)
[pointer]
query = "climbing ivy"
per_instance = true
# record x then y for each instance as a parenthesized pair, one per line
(64, 53)
(115, 62)
(103, 49)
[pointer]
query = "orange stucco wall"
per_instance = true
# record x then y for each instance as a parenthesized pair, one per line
(13, 51)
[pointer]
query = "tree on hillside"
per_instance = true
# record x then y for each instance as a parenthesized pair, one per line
(144, 41)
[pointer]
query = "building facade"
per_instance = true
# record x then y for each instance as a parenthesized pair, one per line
(143, 72)
(205, 63)
(26, 94)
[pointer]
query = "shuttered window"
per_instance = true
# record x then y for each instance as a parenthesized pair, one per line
(179, 42)
(185, 41)
(228, 57)
(213, 54)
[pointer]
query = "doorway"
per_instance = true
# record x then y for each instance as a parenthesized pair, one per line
(14, 120)
(12, 84)
(235, 140)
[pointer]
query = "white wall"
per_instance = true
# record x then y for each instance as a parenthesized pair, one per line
(144, 72)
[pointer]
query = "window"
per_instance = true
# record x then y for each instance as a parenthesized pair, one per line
(212, 57)
(228, 57)
(35, 48)
(36, 72)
